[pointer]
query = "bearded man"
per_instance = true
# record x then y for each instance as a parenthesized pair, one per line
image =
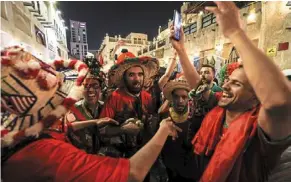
(130, 105)
(207, 74)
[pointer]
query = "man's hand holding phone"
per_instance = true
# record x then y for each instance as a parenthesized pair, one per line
(178, 45)
(176, 32)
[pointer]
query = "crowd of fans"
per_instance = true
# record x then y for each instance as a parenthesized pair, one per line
(134, 124)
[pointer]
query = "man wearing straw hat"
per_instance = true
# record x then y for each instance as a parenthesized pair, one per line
(130, 105)
(177, 154)
(35, 95)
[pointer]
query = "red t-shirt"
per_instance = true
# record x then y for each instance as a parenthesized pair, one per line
(55, 160)
(120, 104)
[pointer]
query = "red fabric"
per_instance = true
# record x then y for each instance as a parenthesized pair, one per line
(69, 102)
(101, 61)
(54, 160)
(5, 61)
(120, 100)
(218, 95)
(72, 63)
(80, 80)
(227, 149)
(4, 132)
(231, 67)
(123, 56)
(82, 66)
(59, 64)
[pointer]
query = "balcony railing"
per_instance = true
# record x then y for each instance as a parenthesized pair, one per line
(190, 28)
(126, 40)
(152, 47)
(208, 20)
(138, 53)
(137, 42)
(161, 43)
(145, 50)
(111, 39)
(164, 27)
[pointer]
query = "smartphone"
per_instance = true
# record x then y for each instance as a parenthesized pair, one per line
(177, 25)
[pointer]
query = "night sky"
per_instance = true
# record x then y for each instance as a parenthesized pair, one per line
(117, 18)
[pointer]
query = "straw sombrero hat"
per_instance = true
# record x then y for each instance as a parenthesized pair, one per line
(127, 60)
(178, 83)
(33, 94)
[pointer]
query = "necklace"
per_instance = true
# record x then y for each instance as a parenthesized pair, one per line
(178, 117)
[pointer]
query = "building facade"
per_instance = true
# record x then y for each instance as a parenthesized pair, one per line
(78, 43)
(112, 46)
(267, 23)
(35, 25)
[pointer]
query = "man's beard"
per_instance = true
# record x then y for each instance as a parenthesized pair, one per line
(132, 89)
(180, 109)
(204, 80)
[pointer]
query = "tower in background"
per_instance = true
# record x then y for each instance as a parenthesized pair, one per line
(78, 43)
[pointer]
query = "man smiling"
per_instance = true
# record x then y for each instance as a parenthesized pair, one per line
(129, 105)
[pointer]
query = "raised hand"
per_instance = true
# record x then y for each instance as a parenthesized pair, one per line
(168, 125)
(227, 17)
(178, 45)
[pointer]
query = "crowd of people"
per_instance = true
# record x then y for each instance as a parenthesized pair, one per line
(136, 125)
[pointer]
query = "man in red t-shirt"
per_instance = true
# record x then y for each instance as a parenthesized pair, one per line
(129, 105)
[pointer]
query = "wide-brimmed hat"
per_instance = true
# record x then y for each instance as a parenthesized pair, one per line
(33, 94)
(127, 60)
(178, 83)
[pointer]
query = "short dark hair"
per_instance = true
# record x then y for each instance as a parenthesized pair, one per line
(209, 66)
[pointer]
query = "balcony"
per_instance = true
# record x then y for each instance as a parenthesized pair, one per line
(112, 39)
(138, 53)
(208, 20)
(145, 50)
(161, 43)
(164, 27)
(138, 42)
(152, 47)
